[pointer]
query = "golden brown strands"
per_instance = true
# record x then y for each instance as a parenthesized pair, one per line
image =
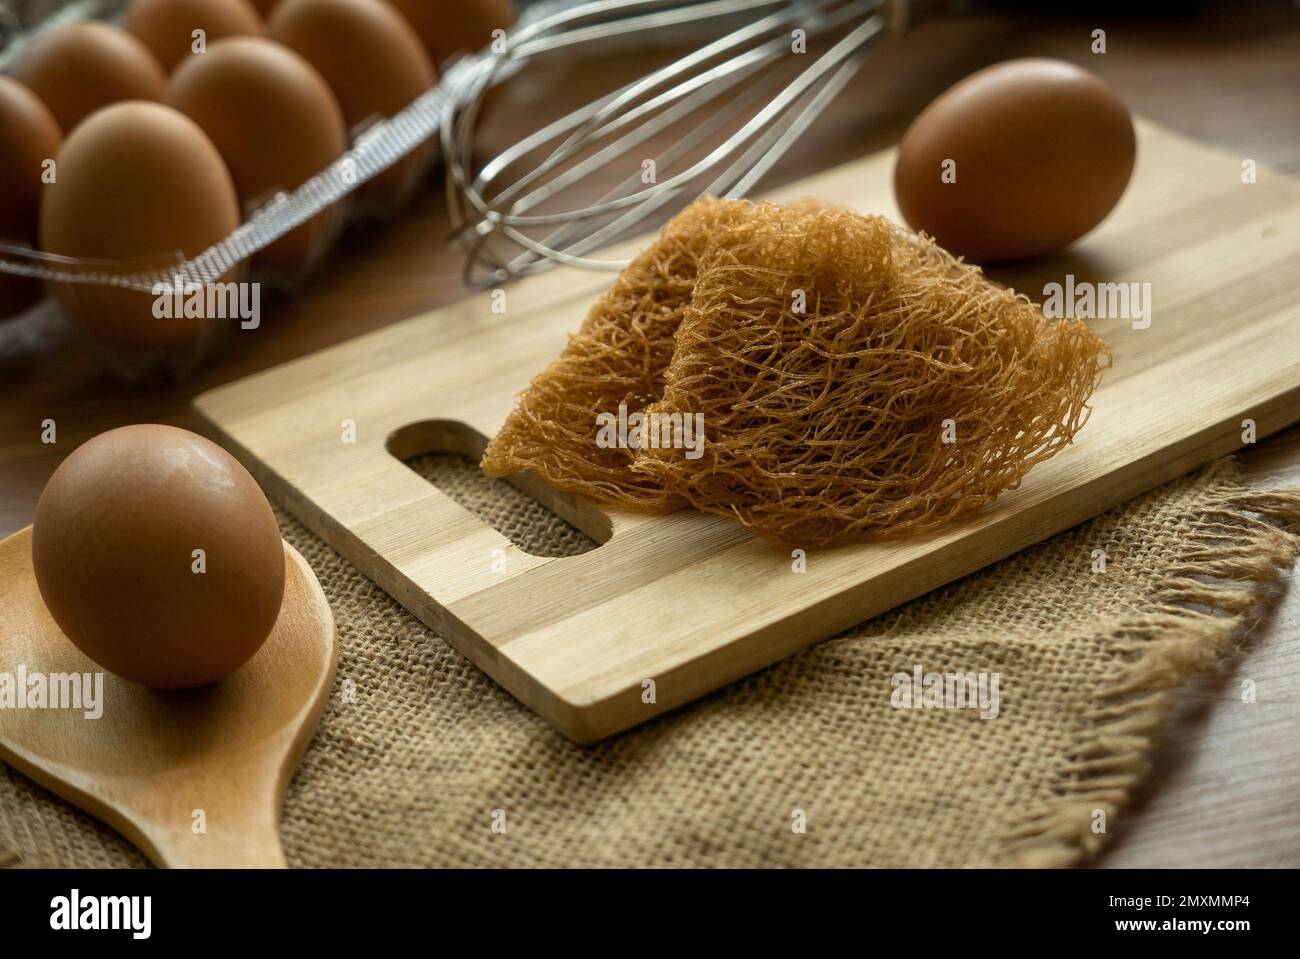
(619, 355)
(828, 423)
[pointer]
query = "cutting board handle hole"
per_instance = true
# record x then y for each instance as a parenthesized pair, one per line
(537, 518)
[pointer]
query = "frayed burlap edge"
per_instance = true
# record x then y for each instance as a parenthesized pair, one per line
(1226, 570)
(1244, 540)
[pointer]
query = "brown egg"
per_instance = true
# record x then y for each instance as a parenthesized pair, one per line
(449, 27)
(275, 123)
(374, 63)
(1039, 151)
(137, 183)
(114, 548)
(29, 137)
(79, 68)
(167, 26)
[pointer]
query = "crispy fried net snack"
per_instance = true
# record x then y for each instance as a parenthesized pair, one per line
(830, 424)
(831, 355)
(619, 355)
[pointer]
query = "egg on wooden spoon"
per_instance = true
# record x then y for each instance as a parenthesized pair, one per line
(158, 555)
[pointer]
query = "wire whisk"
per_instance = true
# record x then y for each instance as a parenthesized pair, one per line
(737, 104)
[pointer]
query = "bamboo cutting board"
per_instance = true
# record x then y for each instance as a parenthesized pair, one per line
(680, 605)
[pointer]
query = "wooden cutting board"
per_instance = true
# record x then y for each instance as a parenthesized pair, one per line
(680, 605)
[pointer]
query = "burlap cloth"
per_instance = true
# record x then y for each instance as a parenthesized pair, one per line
(411, 772)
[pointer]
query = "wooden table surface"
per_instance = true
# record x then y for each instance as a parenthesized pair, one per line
(1224, 787)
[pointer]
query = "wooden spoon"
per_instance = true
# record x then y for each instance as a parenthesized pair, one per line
(158, 765)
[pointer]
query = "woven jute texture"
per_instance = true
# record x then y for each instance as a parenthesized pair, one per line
(431, 753)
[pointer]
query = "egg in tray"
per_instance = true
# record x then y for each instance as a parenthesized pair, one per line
(131, 148)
